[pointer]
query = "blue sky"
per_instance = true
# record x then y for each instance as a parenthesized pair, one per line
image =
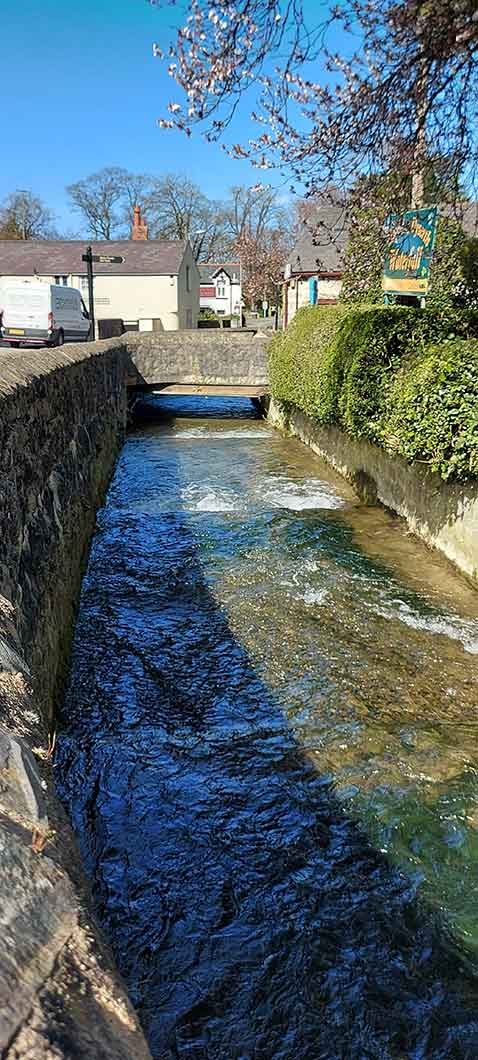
(81, 90)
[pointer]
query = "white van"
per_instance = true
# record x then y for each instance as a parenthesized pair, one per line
(41, 314)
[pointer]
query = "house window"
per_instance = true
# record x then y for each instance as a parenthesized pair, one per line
(84, 283)
(188, 278)
(221, 290)
(61, 281)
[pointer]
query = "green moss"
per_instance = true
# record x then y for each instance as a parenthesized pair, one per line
(362, 368)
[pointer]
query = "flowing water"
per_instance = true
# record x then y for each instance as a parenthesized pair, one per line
(269, 754)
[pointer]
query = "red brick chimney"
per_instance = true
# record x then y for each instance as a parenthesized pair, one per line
(140, 228)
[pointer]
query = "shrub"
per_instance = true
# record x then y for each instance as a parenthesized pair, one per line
(357, 367)
(351, 366)
(296, 355)
(433, 410)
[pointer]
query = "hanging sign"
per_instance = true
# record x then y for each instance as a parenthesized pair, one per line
(408, 257)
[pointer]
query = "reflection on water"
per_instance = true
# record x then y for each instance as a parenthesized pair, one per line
(250, 635)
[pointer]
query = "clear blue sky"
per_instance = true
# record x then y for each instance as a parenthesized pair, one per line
(80, 90)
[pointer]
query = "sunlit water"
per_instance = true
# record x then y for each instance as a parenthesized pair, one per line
(269, 754)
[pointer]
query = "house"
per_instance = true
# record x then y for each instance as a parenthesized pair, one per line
(313, 272)
(156, 286)
(220, 288)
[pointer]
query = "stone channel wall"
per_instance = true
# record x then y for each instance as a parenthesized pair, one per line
(444, 515)
(62, 420)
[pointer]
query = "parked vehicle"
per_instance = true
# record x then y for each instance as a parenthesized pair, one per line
(41, 314)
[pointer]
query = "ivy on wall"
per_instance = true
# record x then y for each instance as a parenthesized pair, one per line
(403, 378)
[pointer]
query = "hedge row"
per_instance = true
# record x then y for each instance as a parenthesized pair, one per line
(403, 378)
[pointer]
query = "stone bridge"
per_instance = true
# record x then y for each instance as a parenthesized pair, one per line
(225, 362)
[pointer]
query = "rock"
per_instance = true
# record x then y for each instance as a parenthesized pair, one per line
(21, 790)
(37, 916)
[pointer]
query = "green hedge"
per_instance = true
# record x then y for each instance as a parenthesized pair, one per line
(296, 355)
(406, 379)
(433, 410)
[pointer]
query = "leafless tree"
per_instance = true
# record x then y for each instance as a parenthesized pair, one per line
(263, 258)
(178, 209)
(251, 211)
(175, 207)
(24, 216)
(137, 189)
(99, 198)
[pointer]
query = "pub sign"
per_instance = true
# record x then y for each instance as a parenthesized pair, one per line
(408, 257)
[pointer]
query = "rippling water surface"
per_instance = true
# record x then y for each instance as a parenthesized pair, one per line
(269, 754)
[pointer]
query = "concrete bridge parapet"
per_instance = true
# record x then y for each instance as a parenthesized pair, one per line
(197, 358)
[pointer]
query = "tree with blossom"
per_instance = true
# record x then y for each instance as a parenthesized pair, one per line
(263, 258)
(361, 86)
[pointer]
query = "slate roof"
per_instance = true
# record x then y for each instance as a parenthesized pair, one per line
(60, 257)
(208, 269)
(321, 246)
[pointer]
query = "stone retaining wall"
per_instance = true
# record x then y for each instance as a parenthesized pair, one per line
(62, 420)
(444, 515)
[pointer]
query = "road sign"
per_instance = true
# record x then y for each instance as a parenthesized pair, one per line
(103, 259)
(408, 258)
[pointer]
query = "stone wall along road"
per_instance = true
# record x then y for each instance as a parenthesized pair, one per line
(62, 420)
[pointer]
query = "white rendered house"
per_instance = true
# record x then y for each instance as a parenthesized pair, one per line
(220, 287)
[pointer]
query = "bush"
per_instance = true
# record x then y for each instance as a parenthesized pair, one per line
(296, 355)
(354, 366)
(357, 366)
(433, 410)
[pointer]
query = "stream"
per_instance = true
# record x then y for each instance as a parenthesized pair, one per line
(268, 752)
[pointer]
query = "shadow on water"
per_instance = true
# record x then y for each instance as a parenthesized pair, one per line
(250, 916)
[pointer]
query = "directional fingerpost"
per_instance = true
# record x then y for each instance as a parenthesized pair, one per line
(101, 259)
